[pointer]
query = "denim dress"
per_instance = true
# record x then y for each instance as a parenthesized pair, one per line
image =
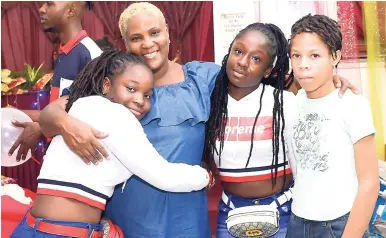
(175, 126)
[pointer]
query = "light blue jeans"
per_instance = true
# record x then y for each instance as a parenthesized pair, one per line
(302, 228)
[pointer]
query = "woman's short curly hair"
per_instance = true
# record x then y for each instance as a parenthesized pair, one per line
(133, 10)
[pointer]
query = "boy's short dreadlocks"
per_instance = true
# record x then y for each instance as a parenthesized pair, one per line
(326, 28)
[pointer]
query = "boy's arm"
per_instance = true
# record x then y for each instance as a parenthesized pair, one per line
(368, 178)
(360, 127)
(53, 116)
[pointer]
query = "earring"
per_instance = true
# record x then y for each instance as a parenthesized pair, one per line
(169, 41)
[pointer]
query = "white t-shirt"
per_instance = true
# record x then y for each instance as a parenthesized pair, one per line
(322, 143)
(64, 174)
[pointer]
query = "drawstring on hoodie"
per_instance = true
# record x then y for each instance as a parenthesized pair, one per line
(123, 186)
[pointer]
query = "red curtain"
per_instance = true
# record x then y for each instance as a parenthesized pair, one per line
(93, 25)
(190, 25)
(358, 20)
(34, 6)
(179, 17)
(206, 37)
(184, 20)
(348, 13)
(23, 40)
(198, 41)
(109, 13)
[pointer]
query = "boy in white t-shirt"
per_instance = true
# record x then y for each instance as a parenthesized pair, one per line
(332, 144)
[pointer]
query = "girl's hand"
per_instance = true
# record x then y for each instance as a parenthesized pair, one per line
(343, 84)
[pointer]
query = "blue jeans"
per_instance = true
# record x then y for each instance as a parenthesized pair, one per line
(23, 230)
(223, 210)
(302, 228)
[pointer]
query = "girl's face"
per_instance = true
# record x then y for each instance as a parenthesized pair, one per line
(132, 88)
(248, 60)
(147, 35)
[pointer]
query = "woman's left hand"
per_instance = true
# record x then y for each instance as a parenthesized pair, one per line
(343, 84)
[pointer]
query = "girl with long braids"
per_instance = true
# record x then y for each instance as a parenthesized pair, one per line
(111, 93)
(250, 116)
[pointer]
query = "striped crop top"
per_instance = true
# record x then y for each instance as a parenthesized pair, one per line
(64, 174)
(238, 131)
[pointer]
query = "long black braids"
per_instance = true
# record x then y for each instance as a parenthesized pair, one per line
(277, 79)
(91, 79)
(277, 47)
(215, 126)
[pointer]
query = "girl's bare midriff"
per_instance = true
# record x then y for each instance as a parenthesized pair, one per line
(64, 209)
(257, 189)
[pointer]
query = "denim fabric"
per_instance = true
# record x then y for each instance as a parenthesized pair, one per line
(175, 126)
(302, 228)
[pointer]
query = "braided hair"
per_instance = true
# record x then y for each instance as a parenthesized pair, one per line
(91, 79)
(326, 28)
(277, 48)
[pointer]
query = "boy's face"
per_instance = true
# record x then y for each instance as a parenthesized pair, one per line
(313, 64)
(53, 14)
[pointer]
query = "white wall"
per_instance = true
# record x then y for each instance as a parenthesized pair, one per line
(229, 17)
(284, 13)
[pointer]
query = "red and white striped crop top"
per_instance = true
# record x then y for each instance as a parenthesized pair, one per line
(238, 131)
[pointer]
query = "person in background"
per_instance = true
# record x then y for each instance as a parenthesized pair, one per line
(75, 51)
(104, 44)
